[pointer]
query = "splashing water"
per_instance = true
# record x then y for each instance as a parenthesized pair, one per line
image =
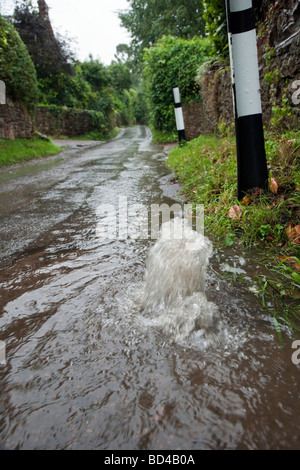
(174, 294)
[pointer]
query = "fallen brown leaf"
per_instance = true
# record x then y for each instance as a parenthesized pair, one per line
(273, 185)
(235, 212)
(246, 201)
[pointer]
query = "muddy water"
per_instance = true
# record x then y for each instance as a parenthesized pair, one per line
(86, 366)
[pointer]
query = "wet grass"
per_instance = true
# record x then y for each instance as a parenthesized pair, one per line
(206, 169)
(18, 150)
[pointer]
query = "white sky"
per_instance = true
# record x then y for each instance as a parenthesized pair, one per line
(93, 24)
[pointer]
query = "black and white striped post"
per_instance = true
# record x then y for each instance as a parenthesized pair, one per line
(179, 114)
(251, 155)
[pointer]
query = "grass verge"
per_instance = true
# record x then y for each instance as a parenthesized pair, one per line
(163, 137)
(206, 169)
(95, 135)
(18, 150)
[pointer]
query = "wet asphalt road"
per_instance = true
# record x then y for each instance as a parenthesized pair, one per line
(86, 369)
(38, 195)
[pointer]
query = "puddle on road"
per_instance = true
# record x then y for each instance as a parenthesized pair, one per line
(88, 368)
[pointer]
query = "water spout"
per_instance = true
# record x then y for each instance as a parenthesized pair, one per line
(174, 294)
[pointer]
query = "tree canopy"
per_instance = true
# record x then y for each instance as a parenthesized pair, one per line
(148, 20)
(49, 53)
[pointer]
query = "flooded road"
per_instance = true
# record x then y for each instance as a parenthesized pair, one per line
(86, 367)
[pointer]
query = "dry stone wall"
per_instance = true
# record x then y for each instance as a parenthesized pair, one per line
(15, 121)
(65, 121)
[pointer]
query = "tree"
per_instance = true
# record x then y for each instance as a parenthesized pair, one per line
(123, 53)
(148, 20)
(95, 73)
(216, 25)
(50, 54)
(120, 76)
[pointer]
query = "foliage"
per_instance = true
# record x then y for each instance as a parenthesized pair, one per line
(63, 82)
(147, 21)
(50, 54)
(141, 105)
(14, 151)
(170, 62)
(125, 97)
(127, 106)
(95, 73)
(98, 80)
(280, 291)
(281, 113)
(16, 67)
(214, 15)
(216, 26)
(73, 92)
(120, 75)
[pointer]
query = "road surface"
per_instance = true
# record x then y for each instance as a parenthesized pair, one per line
(85, 368)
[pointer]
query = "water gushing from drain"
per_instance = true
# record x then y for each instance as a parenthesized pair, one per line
(174, 294)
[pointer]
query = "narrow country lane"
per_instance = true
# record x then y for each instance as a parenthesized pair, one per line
(85, 368)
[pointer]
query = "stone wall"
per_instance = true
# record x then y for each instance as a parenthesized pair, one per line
(278, 49)
(195, 120)
(69, 122)
(15, 121)
(215, 107)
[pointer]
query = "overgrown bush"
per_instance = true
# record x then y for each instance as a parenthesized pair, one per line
(214, 14)
(16, 67)
(172, 62)
(216, 26)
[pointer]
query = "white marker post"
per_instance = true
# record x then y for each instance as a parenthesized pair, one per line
(179, 114)
(251, 155)
(2, 92)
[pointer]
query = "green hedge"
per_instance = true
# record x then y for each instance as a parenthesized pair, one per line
(16, 67)
(172, 62)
